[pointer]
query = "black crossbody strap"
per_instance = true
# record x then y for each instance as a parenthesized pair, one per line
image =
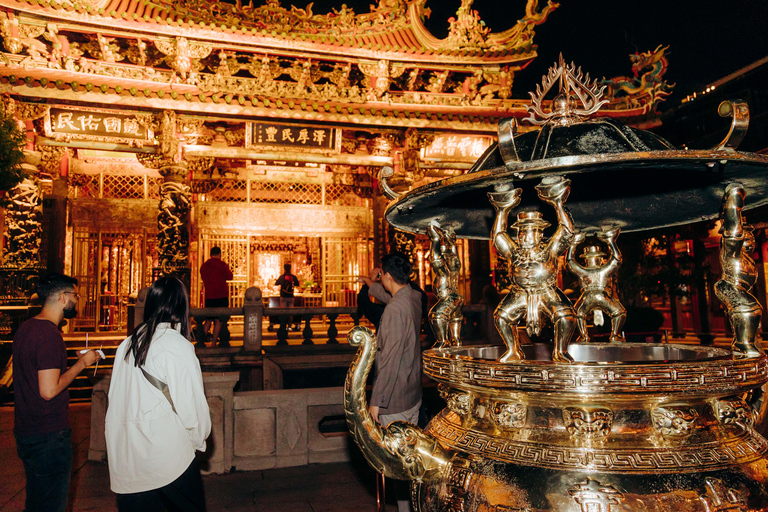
(162, 386)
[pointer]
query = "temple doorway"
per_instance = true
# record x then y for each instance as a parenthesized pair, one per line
(111, 267)
(327, 267)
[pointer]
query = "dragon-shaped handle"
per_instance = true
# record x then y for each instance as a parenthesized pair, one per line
(401, 451)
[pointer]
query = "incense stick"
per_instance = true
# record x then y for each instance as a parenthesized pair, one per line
(97, 363)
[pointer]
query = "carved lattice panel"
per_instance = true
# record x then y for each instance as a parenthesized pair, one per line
(153, 187)
(86, 185)
(286, 193)
(228, 191)
(123, 187)
(342, 195)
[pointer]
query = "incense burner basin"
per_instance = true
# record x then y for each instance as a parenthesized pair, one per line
(626, 427)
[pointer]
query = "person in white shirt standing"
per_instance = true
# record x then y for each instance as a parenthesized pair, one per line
(158, 414)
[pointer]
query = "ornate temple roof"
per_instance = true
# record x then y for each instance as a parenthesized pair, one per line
(379, 68)
(393, 28)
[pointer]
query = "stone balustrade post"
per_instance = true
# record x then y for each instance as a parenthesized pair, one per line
(307, 332)
(282, 331)
(253, 312)
(332, 330)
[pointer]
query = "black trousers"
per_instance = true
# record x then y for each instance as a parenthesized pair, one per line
(185, 494)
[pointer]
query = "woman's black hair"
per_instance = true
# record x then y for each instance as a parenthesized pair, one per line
(166, 301)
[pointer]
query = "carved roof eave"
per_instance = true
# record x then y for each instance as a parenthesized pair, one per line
(461, 119)
(432, 52)
(507, 50)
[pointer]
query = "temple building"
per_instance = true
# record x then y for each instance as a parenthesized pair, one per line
(158, 129)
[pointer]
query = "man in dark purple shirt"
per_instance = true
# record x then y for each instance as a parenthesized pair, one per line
(41, 397)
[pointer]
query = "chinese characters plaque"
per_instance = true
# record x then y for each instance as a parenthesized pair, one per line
(456, 148)
(95, 125)
(281, 137)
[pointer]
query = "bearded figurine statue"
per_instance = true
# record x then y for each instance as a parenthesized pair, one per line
(534, 269)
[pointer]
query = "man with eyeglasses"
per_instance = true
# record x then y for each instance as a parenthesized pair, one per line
(41, 397)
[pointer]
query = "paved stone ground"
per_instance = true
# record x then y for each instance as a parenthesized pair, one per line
(348, 487)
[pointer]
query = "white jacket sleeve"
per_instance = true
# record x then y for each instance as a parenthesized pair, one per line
(185, 384)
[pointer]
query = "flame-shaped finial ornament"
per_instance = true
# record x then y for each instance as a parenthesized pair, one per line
(575, 87)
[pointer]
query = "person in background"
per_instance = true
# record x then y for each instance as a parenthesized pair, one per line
(287, 282)
(397, 385)
(373, 310)
(215, 274)
(158, 415)
(41, 395)
(368, 308)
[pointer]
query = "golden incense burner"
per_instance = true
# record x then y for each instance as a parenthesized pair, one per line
(584, 427)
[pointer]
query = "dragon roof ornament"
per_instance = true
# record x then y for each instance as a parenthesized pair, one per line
(578, 97)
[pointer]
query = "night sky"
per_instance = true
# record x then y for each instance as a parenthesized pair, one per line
(708, 39)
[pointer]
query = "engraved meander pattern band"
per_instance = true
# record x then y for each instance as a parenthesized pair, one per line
(681, 376)
(669, 459)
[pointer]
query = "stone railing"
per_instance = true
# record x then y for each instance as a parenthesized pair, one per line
(262, 425)
(253, 312)
(253, 430)
(285, 315)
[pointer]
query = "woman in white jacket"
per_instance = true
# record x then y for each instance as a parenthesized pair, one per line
(158, 415)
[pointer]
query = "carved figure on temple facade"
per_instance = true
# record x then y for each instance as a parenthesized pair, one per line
(59, 45)
(596, 278)
(412, 173)
(9, 29)
(109, 51)
(169, 142)
(137, 52)
(379, 77)
(23, 226)
(223, 67)
(182, 56)
(437, 82)
(16, 37)
(446, 316)
(737, 241)
(533, 264)
(302, 74)
(173, 236)
(467, 29)
(471, 86)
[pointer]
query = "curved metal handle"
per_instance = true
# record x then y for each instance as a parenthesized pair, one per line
(400, 450)
(387, 172)
(739, 111)
(507, 148)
